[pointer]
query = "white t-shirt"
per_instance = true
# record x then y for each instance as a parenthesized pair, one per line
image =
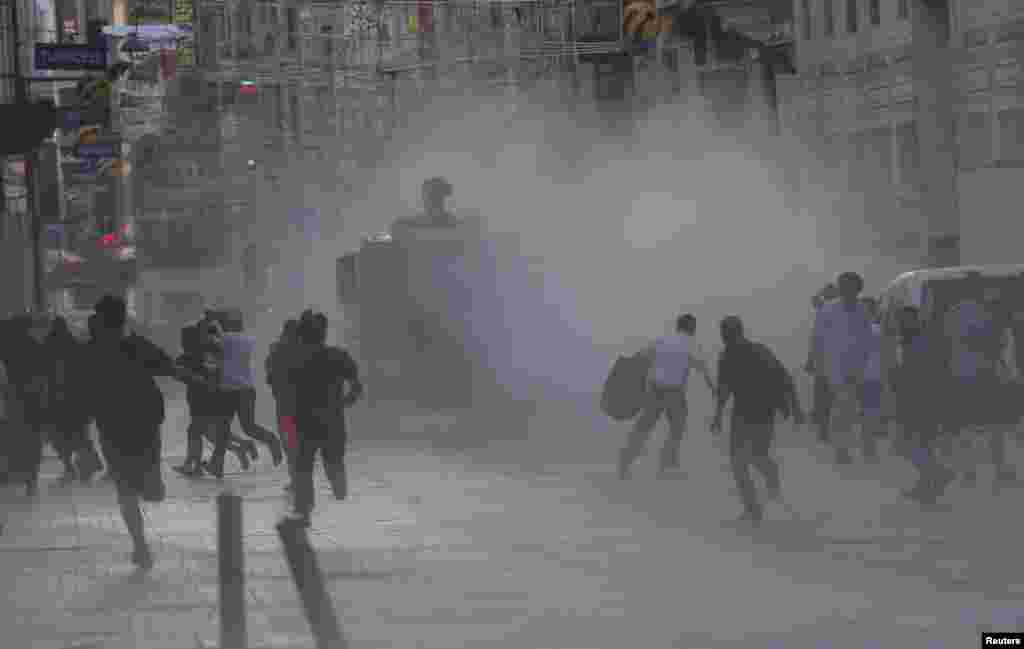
(673, 358)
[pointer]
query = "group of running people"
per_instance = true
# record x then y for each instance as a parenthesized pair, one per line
(951, 391)
(58, 388)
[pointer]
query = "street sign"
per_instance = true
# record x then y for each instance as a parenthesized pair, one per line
(100, 150)
(69, 57)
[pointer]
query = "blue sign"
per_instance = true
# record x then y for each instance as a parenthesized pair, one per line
(100, 150)
(69, 57)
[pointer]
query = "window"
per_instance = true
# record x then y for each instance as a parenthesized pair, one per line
(974, 137)
(1011, 135)
(807, 22)
(903, 9)
(852, 16)
(875, 9)
(830, 18)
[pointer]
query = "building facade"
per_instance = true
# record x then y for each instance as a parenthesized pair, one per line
(852, 108)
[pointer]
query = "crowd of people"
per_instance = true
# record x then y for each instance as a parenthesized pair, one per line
(58, 389)
(952, 392)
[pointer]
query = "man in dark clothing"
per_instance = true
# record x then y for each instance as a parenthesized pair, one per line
(129, 410)
(280, 389)
(760, 385)
(23, 355)
(319, 375)
(68, 407)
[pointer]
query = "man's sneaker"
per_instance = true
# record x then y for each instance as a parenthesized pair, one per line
(214, 469)
(921, 494)
(296, 520)
(190, 470)
(243, 458)
(623, 470)
(942, 480)
(276, 451)
(1006, 476)
(143, 558)
(754, 519)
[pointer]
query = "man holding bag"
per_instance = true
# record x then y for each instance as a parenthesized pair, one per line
(671, 359)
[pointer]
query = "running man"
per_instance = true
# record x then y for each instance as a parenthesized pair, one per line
(839, 353)
(672, 357)
(751, 374)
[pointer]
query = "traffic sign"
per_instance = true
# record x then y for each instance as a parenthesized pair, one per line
(69, 57)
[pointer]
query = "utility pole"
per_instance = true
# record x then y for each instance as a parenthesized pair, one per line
(932, 60)
(31, 159)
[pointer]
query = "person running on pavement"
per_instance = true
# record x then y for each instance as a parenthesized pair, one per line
(281, 391)
(129, 410)
(326, 382)
(238, 385)
(672, 358)
(978, 332)
(822, 397)
(916, 380)
(67, 404)
(210, 409)
(839, 351)
(24, 357)
(751, 374)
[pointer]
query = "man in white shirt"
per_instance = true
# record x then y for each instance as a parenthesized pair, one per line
(671, 357)
(839, 354)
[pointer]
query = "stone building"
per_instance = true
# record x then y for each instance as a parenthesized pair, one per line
(852, 109)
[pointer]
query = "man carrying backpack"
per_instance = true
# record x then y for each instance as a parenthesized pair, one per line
(760, 385)
(319, 374)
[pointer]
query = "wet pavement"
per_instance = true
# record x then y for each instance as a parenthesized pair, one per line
(495, 548)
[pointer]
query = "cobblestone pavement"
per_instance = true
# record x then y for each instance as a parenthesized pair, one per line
(493, 547)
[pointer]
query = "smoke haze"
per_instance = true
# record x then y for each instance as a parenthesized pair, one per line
(629, 229)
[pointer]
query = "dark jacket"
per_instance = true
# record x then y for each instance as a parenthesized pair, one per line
(758, 382)
(128, 396)
(318, 374)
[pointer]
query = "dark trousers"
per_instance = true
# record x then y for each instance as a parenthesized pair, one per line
(25, 448)
(822, 410)
(244, 407)
(330, 445)
(240, 403)
(750, 445)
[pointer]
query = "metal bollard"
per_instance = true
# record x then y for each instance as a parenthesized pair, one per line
(232, 571)
(310, 583)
